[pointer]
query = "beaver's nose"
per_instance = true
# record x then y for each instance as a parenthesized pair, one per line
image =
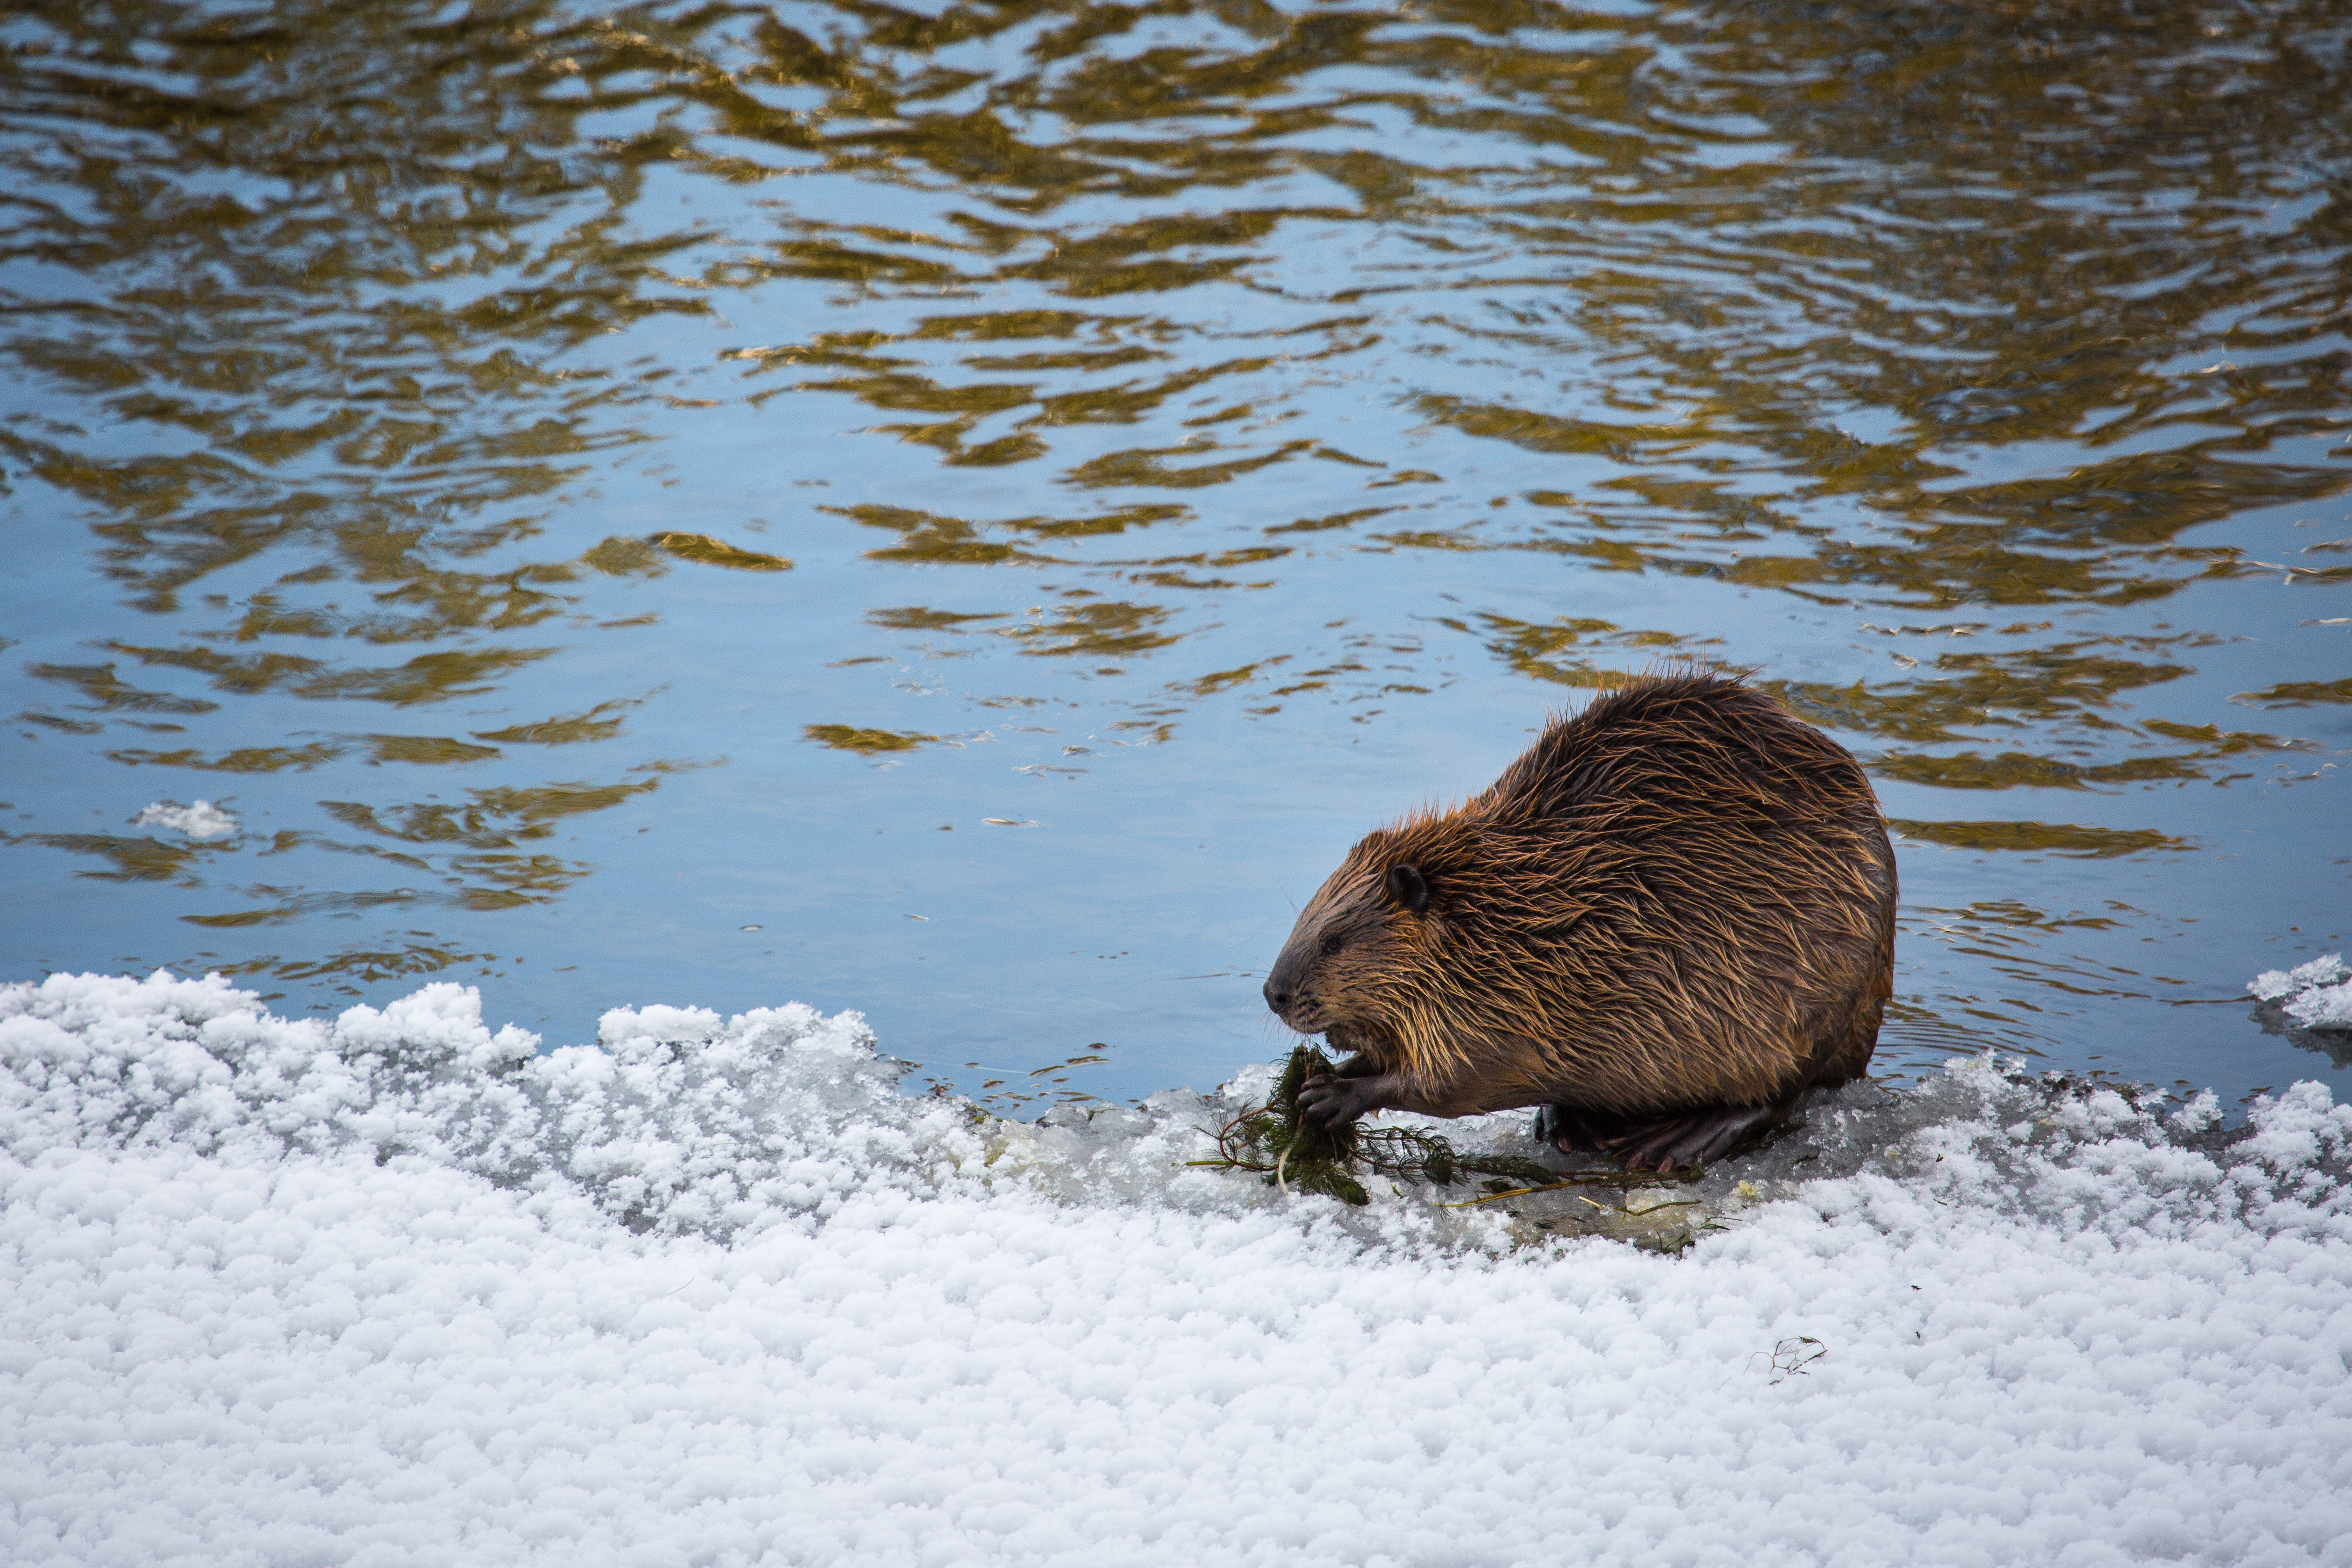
(1277, 997)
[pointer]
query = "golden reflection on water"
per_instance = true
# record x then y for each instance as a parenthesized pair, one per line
(335, 332)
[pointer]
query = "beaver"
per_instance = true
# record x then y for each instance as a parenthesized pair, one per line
(1669, 918)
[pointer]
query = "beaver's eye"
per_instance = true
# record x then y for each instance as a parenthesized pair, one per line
(1333, 943)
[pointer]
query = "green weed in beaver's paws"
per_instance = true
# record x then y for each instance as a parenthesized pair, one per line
(1298, 1156)
(1302, 1140)
(1295, 1153)
(1306, 1154)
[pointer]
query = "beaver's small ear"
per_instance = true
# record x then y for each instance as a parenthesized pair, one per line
(1407, 889)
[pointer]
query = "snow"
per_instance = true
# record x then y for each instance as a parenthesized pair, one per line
(201, 820)
(397, 1287)
(2306, 995)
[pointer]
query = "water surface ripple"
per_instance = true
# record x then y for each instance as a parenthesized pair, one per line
(965, 513)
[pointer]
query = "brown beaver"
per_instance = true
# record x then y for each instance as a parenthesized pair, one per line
(1672, 914)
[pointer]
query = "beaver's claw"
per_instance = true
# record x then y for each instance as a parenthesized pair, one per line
(1334, 1103)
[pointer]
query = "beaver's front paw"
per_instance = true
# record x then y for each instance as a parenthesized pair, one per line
(1335, 1102)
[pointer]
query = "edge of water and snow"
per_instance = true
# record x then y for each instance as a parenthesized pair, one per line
(397, 1287)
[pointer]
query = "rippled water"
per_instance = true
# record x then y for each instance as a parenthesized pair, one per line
(965, 514)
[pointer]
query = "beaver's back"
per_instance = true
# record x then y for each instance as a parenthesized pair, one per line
(1735, 894)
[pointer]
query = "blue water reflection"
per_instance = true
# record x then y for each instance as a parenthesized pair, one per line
(964, 513)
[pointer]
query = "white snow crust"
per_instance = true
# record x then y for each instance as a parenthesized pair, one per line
(2307, 994)
(202, 820)
(395, 1290)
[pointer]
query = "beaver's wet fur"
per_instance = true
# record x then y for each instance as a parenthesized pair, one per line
(1670, 917)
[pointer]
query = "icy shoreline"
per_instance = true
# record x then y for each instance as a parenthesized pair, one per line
(395, 1289)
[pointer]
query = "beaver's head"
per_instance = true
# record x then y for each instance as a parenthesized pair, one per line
(1359, 963)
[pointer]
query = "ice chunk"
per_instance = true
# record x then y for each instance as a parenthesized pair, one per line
(2308, 992)
(201, 820)
(2326, 1008)
(2272, 984)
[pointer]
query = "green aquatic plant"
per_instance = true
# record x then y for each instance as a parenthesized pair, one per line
(1273, 1140)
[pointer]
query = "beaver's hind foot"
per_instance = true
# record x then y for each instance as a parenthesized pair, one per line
(1696, 1137)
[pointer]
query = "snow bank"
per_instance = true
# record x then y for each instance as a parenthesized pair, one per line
(395, 1290)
